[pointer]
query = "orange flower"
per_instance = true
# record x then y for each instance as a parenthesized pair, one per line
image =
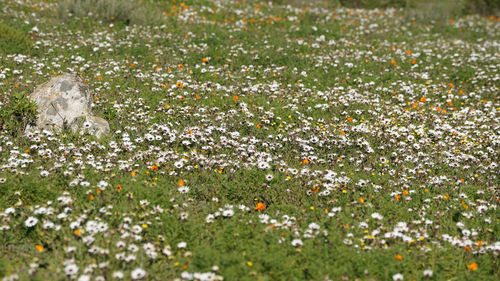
(179, 85)
(472, 266)
(119, 188)
(205, 60)
(361, 200)
(77, 232)
(181, 183)
(39, 248)
(132, 173)
(394, 63)
(423, 99)
(235, 99)
(91, 196)
(154, 168)
(181, 66)
(398, 257)
(405, 192)
(260, 206)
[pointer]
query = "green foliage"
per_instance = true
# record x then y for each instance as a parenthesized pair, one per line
(428, 9)
(110, 113)
(19, 112)
(13, 40)
(425, 10)
(438, 11)
(373, 3)
(484, 7)
(127, 12)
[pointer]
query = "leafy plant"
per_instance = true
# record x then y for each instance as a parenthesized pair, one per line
(19, 112)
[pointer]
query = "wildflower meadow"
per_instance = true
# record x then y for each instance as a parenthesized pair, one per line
(253, 140)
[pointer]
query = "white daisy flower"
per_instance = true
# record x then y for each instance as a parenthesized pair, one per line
(428, 272)
(297, 242)
(31, 221)
(397, 277)
(137, 274)
(71, 269)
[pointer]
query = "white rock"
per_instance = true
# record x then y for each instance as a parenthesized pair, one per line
(64, 102)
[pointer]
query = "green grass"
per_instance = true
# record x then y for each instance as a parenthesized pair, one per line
(13, 40)
(259, 85)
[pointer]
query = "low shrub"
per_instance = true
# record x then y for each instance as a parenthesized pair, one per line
(370, 4)
(483, 7)
(437, 11)
(13, 40)
(428, 9)
(126, 12)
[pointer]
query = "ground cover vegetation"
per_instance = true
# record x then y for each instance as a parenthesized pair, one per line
(253, 140)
